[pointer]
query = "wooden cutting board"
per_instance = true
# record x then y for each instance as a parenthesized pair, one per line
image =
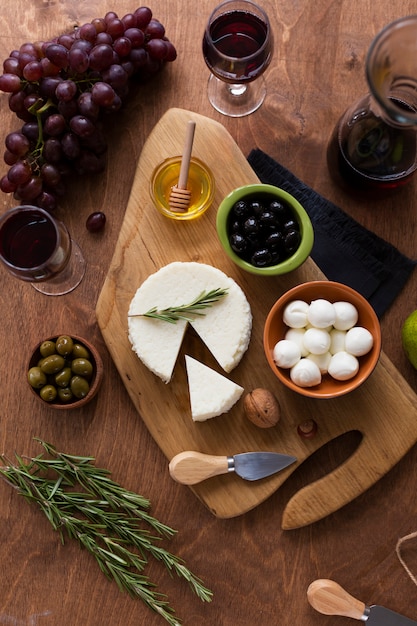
(384, 409)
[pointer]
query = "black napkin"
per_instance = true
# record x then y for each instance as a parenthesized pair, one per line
(343, 249)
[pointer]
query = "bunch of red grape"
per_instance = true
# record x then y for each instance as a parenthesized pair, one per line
(62, 89)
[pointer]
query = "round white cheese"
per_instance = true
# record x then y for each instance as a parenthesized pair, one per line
(225, 327)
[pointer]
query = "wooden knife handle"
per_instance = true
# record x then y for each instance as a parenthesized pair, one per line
(190, 468)
(329, 598)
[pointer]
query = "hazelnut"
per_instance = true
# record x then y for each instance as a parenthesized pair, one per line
(262, 408)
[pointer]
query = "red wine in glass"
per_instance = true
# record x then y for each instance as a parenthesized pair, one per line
(237, 48)
(36, 247)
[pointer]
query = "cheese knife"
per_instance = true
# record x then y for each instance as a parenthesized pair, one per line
(190, 468)
(329, 598)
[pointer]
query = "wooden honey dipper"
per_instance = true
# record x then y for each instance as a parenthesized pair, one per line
(180, 196)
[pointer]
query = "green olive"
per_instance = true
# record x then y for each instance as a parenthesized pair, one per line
(48, 393)
(36, 377)
(64, 345)
(80, 351)
(79, 386)
(65, 394)
(82, 367)
(63, 377)
(47, 348)
(52, 364)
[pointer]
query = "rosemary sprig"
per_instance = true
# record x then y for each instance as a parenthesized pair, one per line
(112, 523)
(185, 311)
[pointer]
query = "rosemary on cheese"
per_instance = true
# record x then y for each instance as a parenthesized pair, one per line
(112, 523)
(185, 311)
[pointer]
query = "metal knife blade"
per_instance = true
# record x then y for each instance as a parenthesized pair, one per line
(329, 598)
(256, 465)
(191, 467)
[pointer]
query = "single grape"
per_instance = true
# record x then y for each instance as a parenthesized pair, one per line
(116, 76)
(136, 37)
(115, 28)
(104, 38)
(31, 131)
(155, 30)
(55, 124)
(101, 57)
(128, 20)
(10, 83)
(122, 46)
(87, 107)
(88, 32)
(17, 143)
(95, 222)
(48, 85)
(33, 71)
(30, 190)
(11, 66)
(102, 94)
(48, 68)
(46, 200)
(6, 185)
(50, 174)
(81, 126)
(66, 90)
(10, 158)
(143, 16)
(70, 145)
(19, 173)
(68, 109)
(52, 150)
(57, 54)
(157, 48)
(78, 60)
(99, 24)
(66, 40)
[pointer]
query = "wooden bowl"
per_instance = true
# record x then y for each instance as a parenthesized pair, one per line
(94, 381)
(275, 329)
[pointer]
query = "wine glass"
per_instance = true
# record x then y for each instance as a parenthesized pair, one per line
(237, 48)
(37, 248)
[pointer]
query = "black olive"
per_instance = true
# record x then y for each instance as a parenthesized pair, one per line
(238, 243)
(274, 239)
(250, 226)
(240, 209)
(268, 218)
(256, 208)
(292, 240)
(291, 224)
(261, 258)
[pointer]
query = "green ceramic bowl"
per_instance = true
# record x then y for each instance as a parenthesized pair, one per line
(272, 192)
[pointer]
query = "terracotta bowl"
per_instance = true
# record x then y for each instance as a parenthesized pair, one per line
(275, 329)
(268, 193)
(94, 381)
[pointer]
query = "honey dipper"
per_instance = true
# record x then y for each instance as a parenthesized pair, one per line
(180, 196)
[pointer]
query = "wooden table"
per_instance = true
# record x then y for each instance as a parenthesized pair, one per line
(258, 572)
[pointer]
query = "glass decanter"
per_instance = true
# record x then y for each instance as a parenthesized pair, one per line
(374, 144)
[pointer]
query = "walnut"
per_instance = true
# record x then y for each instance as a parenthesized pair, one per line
(262, 408)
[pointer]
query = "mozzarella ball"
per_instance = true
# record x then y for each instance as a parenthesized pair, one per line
(316, 340)
(346, 315)
(359, 341)
(321, 360)
(305, 373)
(343, 366)
(321, 313)
(337, 341)
(295, 314)
(286, 353)
(297, 336)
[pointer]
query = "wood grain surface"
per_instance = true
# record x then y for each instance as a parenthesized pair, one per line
(259, 573)
(165, 407)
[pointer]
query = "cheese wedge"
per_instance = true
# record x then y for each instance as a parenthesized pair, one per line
(211, 394)
(225, 327)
